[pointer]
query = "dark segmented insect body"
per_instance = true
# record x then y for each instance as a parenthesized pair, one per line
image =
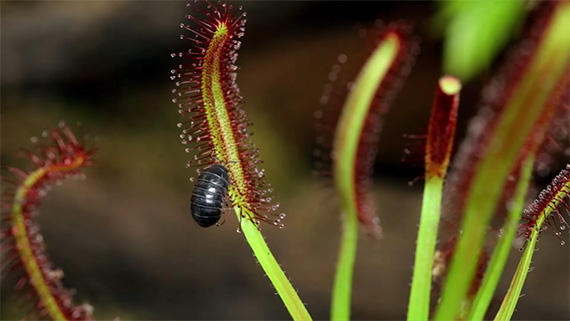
(208, 196)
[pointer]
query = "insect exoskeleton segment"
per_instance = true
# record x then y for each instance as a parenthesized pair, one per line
(209, 195)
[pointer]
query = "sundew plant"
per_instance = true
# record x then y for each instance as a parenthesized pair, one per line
(479, 205)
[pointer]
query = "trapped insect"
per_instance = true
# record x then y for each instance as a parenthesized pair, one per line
(209, 195)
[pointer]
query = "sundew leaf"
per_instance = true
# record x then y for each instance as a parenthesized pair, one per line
(440, 136)
(536, 215)
(214, 124)
(354, 149)
(217, 128)
(517, 127)
(60, 157)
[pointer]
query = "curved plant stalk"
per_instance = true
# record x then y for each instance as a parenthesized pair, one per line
(511, 298)
(441, 131)
(342, 288)
(208, 93)
(522, 123)
(502, 249)
(22, 244)
(284, 288)
(537, 214)
(354, 152)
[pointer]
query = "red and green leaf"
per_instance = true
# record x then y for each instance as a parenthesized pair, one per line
(514, 119)
(358, 128)
(209, 100)
(23, 249)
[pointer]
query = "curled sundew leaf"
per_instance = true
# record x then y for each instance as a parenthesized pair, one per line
(358, 128)
(517, 110)
(23, 249)
(354, 147)
(215, 126)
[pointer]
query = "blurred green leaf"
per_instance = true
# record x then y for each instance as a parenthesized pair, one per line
(502, 250)
(523, 122)
(475, 31)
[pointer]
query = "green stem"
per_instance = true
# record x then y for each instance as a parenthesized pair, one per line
(513, 294)
(342, 289)
(267, 261)
(349, 131)
(418, 308)
(503, 248)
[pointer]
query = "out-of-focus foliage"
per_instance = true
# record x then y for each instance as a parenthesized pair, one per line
(475, 32)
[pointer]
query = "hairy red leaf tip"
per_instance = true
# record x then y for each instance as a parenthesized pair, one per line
(441, 128)
(551, 199)
(23, 249)
(208, 98)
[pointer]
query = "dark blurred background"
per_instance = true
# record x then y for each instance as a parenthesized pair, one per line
(124, 236)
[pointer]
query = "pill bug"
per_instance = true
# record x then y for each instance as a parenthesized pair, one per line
(209, 195)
